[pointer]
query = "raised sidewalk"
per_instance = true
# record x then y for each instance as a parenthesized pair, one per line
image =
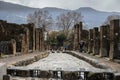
(102, 61)
(13, 59)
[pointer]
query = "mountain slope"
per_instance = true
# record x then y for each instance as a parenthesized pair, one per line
(14, 13)
(94, 18)
(18, 14)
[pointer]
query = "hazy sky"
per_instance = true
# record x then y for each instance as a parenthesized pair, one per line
(104, 5)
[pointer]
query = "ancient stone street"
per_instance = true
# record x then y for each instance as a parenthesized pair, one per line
(61, 60)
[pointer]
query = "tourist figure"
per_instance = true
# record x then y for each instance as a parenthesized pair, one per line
(81, 45)
(65, 47)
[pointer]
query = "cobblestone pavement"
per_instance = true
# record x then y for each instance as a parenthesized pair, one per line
(14, 59)
(63, 61)
(113, 65)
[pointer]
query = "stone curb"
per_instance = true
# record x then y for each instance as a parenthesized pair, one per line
(31, 60)
(90, 61)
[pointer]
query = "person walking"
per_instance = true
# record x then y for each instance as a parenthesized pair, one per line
(81, 45)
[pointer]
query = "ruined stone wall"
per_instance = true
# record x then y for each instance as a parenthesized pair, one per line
(10, 31)
(14, 31)
(109, 40)
(8, 47)
(26, 36)
(105, 43)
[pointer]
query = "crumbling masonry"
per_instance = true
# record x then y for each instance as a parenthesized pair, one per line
(20, 38)
(104, 42)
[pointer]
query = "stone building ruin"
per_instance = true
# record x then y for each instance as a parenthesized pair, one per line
(20, 38)
(103, 41)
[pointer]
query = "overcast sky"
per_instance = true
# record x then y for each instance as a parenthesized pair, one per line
(104, 5)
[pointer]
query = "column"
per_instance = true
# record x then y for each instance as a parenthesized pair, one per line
(22, 38)
(95, 41)
(76, 36)
(13, 46)
(90, 43)
(26, 45)
(104, 41)
(114, 39)
(37, 39)
(33, 37)
(80, 31)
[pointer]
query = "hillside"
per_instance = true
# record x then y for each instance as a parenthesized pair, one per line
(18, 14)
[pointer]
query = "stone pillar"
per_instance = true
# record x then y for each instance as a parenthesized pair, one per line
(104, 41)
(90, 43)
(31, 29)
(80, 31)
(96, 41)
(13, 46)
(74, 44)
(76, 36)
(42, 40)
(114, 39)
(33, 37)
(26, 45)
(36, 39)
(22, 37)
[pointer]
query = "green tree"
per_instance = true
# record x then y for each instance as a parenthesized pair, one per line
(52, 41)
(60, 39)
